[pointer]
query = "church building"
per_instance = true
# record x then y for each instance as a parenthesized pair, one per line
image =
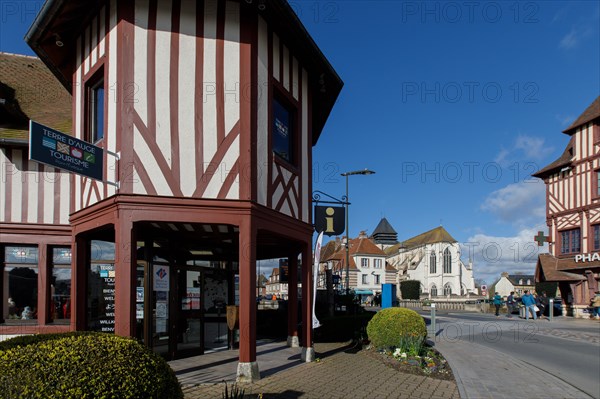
(433, 259)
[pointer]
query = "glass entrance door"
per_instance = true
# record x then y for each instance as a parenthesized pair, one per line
(187, 332)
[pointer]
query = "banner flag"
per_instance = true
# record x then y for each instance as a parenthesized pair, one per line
(315, 321)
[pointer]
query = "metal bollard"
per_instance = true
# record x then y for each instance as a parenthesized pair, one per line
(433, 330)
(551, 310)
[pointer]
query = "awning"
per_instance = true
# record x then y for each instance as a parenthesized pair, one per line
(363, 292)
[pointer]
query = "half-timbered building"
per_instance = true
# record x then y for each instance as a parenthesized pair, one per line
(207, 113)
(573, 215)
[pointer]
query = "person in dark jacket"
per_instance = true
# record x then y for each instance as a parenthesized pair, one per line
(510, 304)
(542, 303)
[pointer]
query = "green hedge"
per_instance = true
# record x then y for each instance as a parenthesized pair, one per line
(410, 289)
(390, 327)
(83, 365)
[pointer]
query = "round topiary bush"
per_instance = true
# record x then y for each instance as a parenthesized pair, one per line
(390, 328)
(91, 365)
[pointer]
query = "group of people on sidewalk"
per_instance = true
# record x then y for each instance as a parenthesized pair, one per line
(533, 303)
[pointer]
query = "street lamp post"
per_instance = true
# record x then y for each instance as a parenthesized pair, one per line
(346, 174)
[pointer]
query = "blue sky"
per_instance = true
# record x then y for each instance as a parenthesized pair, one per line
(453, 104)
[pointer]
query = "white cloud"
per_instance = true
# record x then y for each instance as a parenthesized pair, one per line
(569, 41)
(519, 204)
(576, 35)
(528, 148)
(493, 255)
(564, 120)
(533, 147)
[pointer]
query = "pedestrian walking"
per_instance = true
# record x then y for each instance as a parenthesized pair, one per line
(542, 303)
(510, 304)
(529, 303)
(596, 306)
(497, 303)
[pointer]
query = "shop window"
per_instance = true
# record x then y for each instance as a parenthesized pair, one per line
(60, 287)
(101, 287)
(20, 276)
(570, 241)
(283, 135)
(95, 107)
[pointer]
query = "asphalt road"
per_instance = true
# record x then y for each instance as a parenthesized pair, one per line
(567, 349)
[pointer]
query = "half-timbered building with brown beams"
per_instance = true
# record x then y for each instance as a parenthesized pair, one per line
(573, 215)
(207, 112)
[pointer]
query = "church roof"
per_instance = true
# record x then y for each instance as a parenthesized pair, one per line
(384, 233)
(439, 234)
(592, 112)
(384, 227)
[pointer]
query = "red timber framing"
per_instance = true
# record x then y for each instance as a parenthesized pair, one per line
(193, 141)
(573, 210)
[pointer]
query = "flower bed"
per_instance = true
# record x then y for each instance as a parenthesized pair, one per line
(429, 363)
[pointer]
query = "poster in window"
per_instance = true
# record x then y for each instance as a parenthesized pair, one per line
(161, 278)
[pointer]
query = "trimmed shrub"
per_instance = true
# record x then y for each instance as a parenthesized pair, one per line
(392, 327)
(410, 289)
(83, 365)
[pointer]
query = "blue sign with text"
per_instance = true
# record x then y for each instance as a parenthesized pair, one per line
(62, 151)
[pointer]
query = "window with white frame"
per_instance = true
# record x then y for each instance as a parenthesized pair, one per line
(377, 279)
(364, 262)
(365, 279)
(377, 263)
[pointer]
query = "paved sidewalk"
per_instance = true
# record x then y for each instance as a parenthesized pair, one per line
(339, 373)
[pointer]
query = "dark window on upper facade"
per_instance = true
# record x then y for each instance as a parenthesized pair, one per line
(570, 241)
(596, 243)
(95, 108)
(283, 132)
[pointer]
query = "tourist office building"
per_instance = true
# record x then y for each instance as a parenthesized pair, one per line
(206, 113)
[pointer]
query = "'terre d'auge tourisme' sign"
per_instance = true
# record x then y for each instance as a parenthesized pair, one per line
(62, 151)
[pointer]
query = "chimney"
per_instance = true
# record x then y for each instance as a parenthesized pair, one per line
(504, 274)
(362, 234)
